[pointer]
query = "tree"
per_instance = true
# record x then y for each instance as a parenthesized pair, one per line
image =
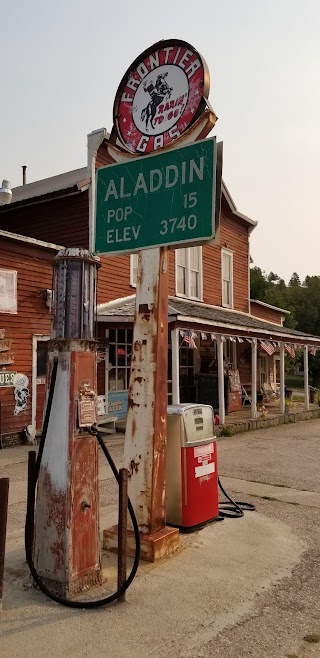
(258, 284)
(314, 369)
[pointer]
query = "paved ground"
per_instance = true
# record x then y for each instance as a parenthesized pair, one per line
(247, 587)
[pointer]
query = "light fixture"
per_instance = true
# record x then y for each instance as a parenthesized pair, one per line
(5, 193)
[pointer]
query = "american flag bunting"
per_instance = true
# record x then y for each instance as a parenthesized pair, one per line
(267, 347)
(188, 338)
(290, 349)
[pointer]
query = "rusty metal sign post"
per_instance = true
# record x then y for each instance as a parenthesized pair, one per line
(4, 497)
(161, 103)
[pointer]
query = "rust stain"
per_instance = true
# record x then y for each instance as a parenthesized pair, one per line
(133, 468)
(132, 404)
(54, 522)
(137, 345)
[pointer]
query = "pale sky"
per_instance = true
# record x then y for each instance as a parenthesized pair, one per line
(61, 63)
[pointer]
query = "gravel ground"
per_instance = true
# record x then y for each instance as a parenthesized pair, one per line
(274, 619)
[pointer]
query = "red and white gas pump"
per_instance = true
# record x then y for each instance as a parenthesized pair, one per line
(66, 542)
(192, 473)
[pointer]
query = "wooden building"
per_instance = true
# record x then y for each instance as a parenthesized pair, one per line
(219, 340)
(25, 318)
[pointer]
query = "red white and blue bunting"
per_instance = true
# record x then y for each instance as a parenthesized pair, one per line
(190, 337)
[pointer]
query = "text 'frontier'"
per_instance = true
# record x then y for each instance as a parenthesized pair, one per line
(157, 200)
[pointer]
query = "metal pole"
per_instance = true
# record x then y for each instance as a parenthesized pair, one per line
(4, 496)
(306, 378)
(282, 378)
(221, 380)
(1, 444)
(175, 366)
(122, 529)
(254, 378)
(32, 455)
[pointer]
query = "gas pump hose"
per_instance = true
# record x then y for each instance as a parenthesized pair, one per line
(234, 508)
(30, 519)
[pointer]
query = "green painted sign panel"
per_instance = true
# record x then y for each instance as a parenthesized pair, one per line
(157, 200)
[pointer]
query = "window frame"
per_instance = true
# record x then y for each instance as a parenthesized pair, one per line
(187, 272)
(227, 252)
(116, 367)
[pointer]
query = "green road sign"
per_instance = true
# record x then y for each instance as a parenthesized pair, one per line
(157, 200)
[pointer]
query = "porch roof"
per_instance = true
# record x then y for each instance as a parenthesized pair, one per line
(196, 313)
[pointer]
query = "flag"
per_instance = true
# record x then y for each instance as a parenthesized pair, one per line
(188, 338)
(290, 350)
(267, 347)
(203, 335)
(213, 336)
(313, 350)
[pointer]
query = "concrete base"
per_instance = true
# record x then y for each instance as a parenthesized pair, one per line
(73, 587)
(153, 547)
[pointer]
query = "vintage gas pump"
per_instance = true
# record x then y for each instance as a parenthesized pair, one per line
(66, 541)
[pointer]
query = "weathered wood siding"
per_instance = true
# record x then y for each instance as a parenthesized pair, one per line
(265, 313)
(34, 274)
(103, 157)
(234, 237)
(63, 221)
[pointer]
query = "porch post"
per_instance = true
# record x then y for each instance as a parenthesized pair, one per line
(282, 401)
(220, 379)
(254, 378)
(306, 377)
(175, 366)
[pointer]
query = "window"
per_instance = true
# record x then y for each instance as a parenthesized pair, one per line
(120, 348)
(189, 272)
(227, 278)
(133, 269)
(42, 354)
(263, 370)
(8, 291)
(230, 354)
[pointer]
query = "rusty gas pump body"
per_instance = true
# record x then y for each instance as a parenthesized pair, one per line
(66, 544)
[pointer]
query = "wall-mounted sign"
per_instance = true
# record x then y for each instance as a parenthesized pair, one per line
(118, 403)
(87, 412)
(162, 93)
(163, 199)
(6, 358)
(8, 291)
(21, 392)
(6, 378)
(5, 344)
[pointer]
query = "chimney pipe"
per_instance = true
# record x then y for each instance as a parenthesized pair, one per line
(24, 174)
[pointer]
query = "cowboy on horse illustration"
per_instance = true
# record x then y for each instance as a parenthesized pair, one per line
(157, 92)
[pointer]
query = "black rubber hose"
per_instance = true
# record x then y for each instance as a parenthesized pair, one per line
(235, 508)
(30, 516)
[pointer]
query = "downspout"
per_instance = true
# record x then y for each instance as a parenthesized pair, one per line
(94, 141)
(250, 229)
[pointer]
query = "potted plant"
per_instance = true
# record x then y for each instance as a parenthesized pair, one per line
(263, 411)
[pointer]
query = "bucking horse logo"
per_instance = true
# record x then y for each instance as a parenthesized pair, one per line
(157, 92)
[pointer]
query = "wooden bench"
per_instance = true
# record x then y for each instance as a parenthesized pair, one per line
(105, 419)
